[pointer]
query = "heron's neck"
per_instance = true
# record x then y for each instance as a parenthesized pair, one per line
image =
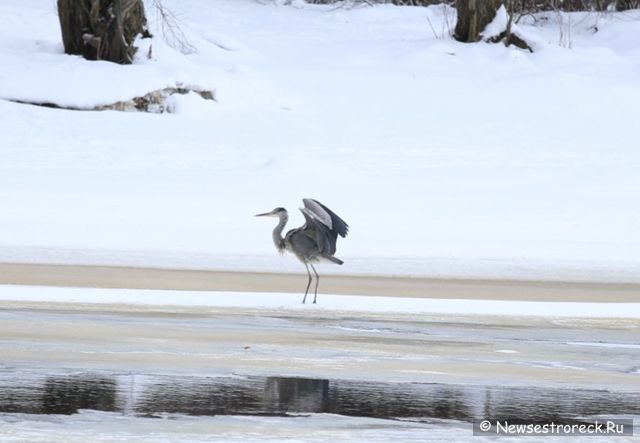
(278, 240)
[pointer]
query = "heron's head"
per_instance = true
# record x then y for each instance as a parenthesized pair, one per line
(277, 212)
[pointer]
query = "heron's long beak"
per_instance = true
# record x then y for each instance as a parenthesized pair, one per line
(264, 214)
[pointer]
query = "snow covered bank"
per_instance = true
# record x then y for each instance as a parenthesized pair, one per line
(416, 266)
(443, 157)
(328, 303)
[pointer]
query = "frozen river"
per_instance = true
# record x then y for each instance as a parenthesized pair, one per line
(104, 373)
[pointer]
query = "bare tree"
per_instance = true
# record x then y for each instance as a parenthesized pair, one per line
(473, 17)
(102, 29)
(622, 5)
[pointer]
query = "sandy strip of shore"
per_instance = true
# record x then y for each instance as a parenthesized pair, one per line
(208, 280)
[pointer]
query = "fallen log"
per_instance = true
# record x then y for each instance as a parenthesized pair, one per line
(154, 101)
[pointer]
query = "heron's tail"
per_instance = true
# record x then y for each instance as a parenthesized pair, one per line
(337, 261)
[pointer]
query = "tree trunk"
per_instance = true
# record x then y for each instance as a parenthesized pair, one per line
(102, 29)
(473, 17)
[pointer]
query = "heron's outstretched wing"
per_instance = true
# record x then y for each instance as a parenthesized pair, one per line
(324, 225)
(326, 216)
(319, 232)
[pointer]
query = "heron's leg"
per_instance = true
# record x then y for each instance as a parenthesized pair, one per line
(317, 282)
(306, 291)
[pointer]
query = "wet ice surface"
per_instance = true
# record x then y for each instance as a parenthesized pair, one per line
(107, 428)
(562, 352)
(78, 373)
(244, 407)
(156, 395)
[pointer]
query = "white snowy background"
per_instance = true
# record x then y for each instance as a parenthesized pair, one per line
(446, 159)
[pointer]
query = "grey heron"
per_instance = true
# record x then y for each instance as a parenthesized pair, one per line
(313, 241)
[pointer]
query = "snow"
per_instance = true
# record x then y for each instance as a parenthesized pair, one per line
(334, 303)
(446, 159)
(497, 25)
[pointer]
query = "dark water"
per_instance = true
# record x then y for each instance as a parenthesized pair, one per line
(149, 395)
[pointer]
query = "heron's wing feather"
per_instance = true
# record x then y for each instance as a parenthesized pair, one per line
(318, 212)
(304, 243)
(326, 216)
(318, 231)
